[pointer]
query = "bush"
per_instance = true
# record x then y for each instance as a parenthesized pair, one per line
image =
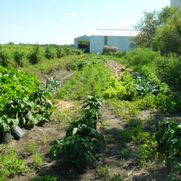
(50, 52)
(169, 143)
(76, 150)
(4, 57)
(35, 56)
(109, 50)
(168, 70)
(142, 56)
(169, 146)
(19, 58)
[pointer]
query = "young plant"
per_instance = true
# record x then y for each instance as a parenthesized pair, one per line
(75, 150)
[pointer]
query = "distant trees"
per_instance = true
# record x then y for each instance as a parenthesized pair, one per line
(160, 31)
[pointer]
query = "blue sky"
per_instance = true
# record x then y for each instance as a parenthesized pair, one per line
(60, 21)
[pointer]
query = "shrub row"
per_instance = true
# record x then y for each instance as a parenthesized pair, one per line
(19, 55)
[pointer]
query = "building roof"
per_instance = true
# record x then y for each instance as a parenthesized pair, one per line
(83, 37)
(115, 32)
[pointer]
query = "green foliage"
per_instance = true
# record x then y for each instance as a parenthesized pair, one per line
(79, 146)
(11, 164)
(63, 51)
(168, 135)
(146, 90)
(168, 70)
(76, 150)
(19, 58)
(116, 178)
(147, 27)
(37, 160)
(145, 145)
(50, 52)
(141, 56)
(88, 61)
(160, 31)
(45, 178)
(169, 144)
(92, 107)
(31, 149)
(103, 171)
(4, 57)
(23, 100)
(51, 85)
(7, 123)
(22, 55)
(175, 173)
(167, 38)
(92, 79)
(35, 56)
(71, 66)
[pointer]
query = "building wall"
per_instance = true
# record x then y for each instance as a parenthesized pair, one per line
(176, 3)
(98, 42)
(82, 38)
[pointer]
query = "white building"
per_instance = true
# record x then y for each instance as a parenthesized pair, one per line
(175, 3)
(119, 38)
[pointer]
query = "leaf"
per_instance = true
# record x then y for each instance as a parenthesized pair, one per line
(74, 131)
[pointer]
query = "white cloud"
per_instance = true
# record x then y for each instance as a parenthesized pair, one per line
(72, 14)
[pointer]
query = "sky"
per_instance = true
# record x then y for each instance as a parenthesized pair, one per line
(60, 21)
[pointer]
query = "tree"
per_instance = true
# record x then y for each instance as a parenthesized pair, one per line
(147, 28)
(167, 39)
(160, 31)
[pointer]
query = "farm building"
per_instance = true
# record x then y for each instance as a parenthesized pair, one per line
(176, 3)
(118, 38)
(82, 42)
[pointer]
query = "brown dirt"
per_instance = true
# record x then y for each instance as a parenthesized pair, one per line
(116, 68)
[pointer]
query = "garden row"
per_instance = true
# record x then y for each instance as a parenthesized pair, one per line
(80, 146)
(23, 55)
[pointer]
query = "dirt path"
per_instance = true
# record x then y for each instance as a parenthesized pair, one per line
(116, 68)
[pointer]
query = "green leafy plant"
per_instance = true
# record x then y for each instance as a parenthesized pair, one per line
(116, 178)
(35, 56)
(50, 52)
(169, 143)
(7, 123)
(11, 164)
(4, 57)
(23, 100)
(78, 151)
(103, 171)
(45, 178)
(92, 108)
(91, 80)
(80, 144)
(19, 58)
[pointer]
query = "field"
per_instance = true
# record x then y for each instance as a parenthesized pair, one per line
(109, 117)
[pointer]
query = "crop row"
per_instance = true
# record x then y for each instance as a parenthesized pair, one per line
(19, 55)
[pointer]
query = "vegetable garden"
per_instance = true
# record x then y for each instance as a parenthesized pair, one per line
(89, 122)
